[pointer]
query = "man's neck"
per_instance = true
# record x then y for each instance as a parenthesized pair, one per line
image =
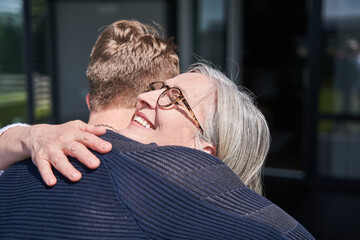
(115, 118)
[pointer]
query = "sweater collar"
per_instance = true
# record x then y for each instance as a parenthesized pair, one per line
(123, 143)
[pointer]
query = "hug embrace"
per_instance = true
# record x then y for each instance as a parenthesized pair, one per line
(175, 156)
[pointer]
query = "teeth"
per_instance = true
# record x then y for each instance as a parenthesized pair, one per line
(141, 121)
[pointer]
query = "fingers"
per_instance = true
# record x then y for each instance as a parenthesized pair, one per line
(46, 172)
(62, 164)
(93, 142)
(84, 155)
(97, 130)
(51, 144)
(88, 137)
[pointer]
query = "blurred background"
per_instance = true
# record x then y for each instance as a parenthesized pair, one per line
(301, 58)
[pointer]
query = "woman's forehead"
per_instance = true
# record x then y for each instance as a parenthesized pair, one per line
(188, 80)
(194, 86)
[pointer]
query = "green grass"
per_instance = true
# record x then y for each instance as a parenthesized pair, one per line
(12, 98)
(15, 112)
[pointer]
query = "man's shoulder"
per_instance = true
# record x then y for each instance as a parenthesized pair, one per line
(196, 172)
(202, 177)
(121, 143)
(165, 159)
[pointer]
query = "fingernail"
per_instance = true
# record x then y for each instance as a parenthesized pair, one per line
(105, 146)
(92, 161)
(50, 181)
(75, 175)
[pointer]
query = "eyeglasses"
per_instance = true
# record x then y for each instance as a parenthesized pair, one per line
(171, 96)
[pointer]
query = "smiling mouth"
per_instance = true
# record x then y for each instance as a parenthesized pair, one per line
(141, 121)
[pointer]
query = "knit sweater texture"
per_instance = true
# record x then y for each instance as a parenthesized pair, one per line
(140, 192)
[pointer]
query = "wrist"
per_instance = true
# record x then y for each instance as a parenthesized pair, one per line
(24, 135)
(14, 136)
(14, 125)
(11, 149)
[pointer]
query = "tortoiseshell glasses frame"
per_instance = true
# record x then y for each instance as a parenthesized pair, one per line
(171, 96)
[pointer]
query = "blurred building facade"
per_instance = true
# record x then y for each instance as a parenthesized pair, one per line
(300, 58)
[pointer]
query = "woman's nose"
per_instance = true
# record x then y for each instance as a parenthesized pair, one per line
(149, 99)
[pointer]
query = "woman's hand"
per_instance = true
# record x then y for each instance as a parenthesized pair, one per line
(48, 145)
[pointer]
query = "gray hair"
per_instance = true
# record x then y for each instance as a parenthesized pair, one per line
(236, 127)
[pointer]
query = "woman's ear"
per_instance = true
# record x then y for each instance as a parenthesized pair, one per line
(209, 148)
(87, 98)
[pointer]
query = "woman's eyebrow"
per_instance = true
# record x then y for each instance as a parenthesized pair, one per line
(172, 85)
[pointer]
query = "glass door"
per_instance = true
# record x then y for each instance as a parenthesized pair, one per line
(339, 94)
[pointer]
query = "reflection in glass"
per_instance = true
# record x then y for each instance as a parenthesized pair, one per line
(347, 75)
(41, 60)
(339, 96)
(210, 38)
(275, 63)
(340, 89)
(13, 87)
(12, 78)
(338, 149)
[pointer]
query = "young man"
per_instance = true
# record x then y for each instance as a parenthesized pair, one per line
(126, 57)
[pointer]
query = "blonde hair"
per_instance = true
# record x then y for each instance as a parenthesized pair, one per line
(126, 57)
(236, 127)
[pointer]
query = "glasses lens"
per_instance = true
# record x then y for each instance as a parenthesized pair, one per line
(169, 96)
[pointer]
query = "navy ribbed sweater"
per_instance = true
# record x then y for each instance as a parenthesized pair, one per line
(140, 192)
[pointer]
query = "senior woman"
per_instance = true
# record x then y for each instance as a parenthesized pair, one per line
(144, 190)
(228, 122)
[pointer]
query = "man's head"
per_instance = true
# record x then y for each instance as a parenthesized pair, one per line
(127, 56)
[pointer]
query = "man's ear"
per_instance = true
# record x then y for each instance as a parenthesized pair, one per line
(209, 148)
(87, 98)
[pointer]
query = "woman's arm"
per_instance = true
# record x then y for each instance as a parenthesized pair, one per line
(48, 145)
(7, 145)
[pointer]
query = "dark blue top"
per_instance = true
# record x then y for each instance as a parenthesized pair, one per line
(140, 192)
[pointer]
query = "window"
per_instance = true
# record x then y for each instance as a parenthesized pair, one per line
(13, 94)
(339, 96)
(42, 60)
(14, 88)
(274, 56)
(210, 37)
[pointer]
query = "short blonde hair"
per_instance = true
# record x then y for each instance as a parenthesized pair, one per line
(126, 57)
(236, 127)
